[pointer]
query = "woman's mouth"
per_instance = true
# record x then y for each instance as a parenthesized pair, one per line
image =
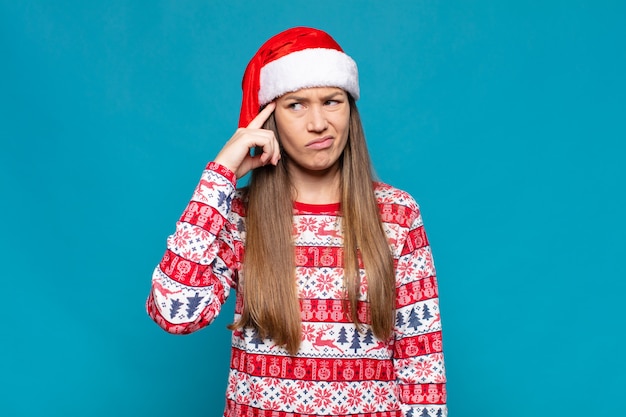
(321, 143)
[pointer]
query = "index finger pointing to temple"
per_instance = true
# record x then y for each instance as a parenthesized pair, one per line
(263, 115)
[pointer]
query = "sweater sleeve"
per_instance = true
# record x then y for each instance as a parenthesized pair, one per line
(418, 355)
(202, 258)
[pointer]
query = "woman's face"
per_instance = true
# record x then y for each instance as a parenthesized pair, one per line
(313, 125)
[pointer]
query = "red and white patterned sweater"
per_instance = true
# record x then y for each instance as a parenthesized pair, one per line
(337, 371)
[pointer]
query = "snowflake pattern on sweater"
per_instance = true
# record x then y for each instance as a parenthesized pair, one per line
(338, 370)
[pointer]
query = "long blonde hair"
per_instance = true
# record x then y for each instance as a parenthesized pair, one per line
(268, 285)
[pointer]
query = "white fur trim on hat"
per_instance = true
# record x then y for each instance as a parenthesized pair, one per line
(316, 67)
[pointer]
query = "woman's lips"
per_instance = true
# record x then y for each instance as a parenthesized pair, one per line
(321, 143)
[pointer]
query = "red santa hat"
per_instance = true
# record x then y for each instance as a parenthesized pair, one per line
(297, 58)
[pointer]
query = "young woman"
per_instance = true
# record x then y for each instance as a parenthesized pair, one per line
(336, 296)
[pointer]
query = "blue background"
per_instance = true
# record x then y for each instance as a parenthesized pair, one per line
(505, 120)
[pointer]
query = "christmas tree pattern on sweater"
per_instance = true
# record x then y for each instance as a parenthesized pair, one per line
(338, 370)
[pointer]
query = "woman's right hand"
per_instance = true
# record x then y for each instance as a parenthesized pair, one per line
(235, 155)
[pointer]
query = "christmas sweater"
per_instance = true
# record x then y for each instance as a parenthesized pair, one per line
(338, 370)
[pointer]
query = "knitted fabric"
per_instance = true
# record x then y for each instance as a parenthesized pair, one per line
(338, 370)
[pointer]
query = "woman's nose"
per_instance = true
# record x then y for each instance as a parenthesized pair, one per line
(317, 120)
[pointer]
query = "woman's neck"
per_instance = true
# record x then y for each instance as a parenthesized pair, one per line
(317, 187)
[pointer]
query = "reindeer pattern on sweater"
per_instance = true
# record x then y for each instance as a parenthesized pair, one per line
(338, 370)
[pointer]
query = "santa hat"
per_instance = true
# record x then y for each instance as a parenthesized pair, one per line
(296, 58)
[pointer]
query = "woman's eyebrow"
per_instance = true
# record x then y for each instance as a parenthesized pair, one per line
(324, 98)
(294, 97)
(333, 95)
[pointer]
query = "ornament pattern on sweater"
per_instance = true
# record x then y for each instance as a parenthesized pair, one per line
(338, 370)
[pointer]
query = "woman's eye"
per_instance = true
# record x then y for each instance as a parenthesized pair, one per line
(295, 106)
(332, 102)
